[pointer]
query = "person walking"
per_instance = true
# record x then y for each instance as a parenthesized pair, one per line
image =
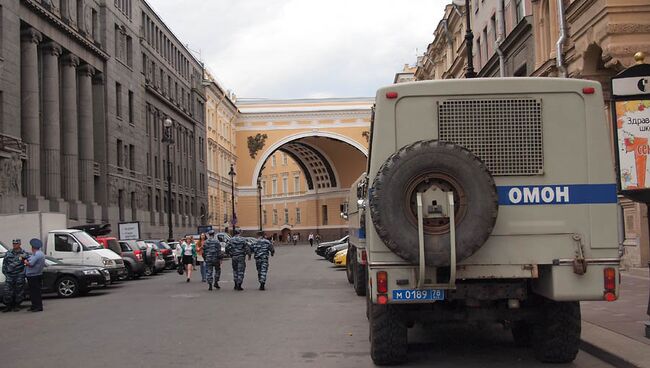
(188, 250)
(317, 239)
(212, 255)
(295, 239)
(262, 248)
(178, 252)
(34, 273)
(13, 267)
(200, 260)
(238, 249)
(311, 239)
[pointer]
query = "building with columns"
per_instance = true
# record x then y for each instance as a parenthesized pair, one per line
(84, 89)
(221, 116)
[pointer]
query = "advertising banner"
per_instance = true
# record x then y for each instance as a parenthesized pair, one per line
(129, 230)
(633, 131)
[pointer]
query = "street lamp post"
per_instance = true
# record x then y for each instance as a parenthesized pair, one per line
(469, 40)
(168, 139)
(232, 174)
(259, 196)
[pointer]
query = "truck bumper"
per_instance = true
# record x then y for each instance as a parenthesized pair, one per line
(560, 283)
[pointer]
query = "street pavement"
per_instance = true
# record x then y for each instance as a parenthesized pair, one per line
(308, 317)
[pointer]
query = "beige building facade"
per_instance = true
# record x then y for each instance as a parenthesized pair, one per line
(221, 116)
(306, 155)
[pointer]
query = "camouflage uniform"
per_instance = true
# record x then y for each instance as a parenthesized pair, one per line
(212, 256)
(238, 249)
(14, 270)
(262, 249)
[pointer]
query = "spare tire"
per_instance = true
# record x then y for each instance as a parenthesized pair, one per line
(445, 166)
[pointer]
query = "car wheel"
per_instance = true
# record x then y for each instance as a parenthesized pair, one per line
(360, 280)
(148, 270)
(350, 261)
(67, 287)
(388, 335)
(129, 272)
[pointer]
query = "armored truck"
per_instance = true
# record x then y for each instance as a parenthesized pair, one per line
(488, 200)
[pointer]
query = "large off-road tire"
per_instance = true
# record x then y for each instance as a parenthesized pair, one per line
(522, 333)
(350, 261)
(388, 335)
(556, 333)
(448, 167)
(360, 279)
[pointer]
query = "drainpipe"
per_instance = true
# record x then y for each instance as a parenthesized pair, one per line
(500, 38)
(559, 57)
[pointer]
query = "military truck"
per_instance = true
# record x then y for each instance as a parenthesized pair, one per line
(354, 212)
(489, 200)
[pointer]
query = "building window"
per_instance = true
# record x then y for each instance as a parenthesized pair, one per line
(274, 186)
(493, 24)
(296, 184)
(131, 110)
(120, 203)
(324, 215)
(285, 160)
(285, 185)
(148, 164)
(485, 46)
(286, 215)
(298, 219)
(275, 216)
(155, 167)
(131, 157)
(95, 24)
(144, 65)
(519, 10)
(119, 152)
(129, 51)
(478, 51)
(273, 161)
(118, 100)
(134, 207)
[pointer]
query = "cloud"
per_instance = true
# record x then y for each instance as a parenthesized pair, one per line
(303, 48)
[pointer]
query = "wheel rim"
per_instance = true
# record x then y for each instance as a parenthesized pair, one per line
(67, 287)
(147, 271)
(438, 181)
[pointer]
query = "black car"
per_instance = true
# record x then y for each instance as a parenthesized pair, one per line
(331, 251)
(68, 280)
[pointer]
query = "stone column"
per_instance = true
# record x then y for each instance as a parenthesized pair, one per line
(51, 122)
(29, 110)
(69, 128)
(86, 138)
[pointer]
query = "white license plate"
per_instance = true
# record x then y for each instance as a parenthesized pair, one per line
(427, 294)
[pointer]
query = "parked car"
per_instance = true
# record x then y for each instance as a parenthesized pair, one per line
(341, 257)
(158, 262)
(322, 247)
(166, 252)
(331, 251)
(69, 280)
(133, 258)
(66, 280)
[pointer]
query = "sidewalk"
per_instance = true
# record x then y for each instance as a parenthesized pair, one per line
(615, 331)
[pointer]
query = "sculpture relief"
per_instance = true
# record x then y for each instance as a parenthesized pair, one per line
(10, 180)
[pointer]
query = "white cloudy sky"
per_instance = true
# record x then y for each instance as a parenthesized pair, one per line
(303, 48)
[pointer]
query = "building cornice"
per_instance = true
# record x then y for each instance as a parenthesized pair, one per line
(46, 13)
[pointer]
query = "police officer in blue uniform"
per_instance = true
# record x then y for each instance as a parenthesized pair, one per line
(262, 248)
(34, 272)
(13, 267)
(212, 256)
(238, 249)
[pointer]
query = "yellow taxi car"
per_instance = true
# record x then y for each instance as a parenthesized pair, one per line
(340, 257)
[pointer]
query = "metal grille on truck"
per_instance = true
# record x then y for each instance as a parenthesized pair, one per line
(506, 134)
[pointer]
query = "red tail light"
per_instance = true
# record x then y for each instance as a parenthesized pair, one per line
(138, 255)
(609, 280)
(382, 299)
(391, 95)
(382, 282)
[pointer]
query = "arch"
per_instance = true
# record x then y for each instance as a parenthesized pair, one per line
(274, 147)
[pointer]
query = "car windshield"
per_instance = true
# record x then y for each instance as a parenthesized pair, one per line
(86, 240)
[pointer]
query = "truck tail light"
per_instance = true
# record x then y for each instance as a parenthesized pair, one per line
(391, 95)
(609, 280)
(138, 255)
(382, 282)
(382, 299)
(364, 257)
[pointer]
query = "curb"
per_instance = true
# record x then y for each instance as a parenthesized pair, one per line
(614, 348)
(605, 355)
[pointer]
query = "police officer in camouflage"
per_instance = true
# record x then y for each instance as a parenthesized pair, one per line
(13, 267)
(238, 249)
(261, 250)
(212, 256)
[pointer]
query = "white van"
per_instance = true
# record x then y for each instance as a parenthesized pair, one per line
(78, 247)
